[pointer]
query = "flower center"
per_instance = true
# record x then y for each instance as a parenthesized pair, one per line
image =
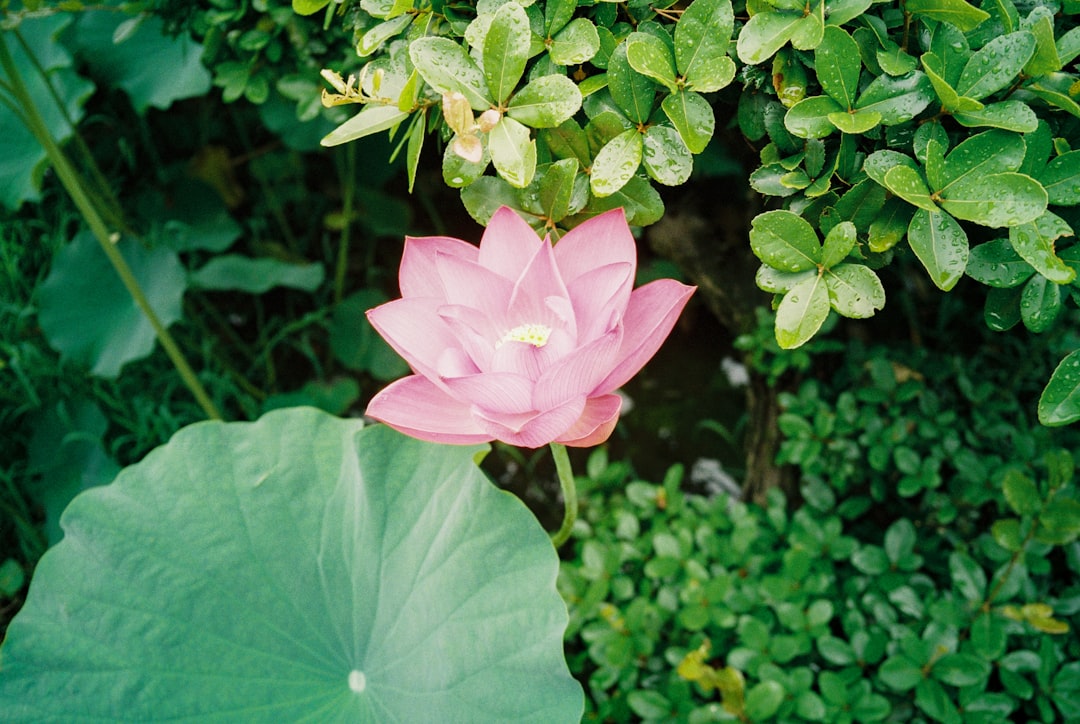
(535, 334)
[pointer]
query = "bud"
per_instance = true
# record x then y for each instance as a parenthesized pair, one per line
(488, 120)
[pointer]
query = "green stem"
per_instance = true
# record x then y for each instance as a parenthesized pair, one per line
(569, 493)
(348, 186)
(73, 185)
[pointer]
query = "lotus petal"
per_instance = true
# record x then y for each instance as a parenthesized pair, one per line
(417, 407)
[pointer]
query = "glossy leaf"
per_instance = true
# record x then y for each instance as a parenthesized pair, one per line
(506, 50)
(1002, 309)
(556, 188)
(1040, 304)
(1040, 23)
(1008, 115)
(941, 245)
(88, 315)
(785, 241)
(701, 41)
(1034, 242)
(838, 244)
(546, 102)
(458, 172)
(810, 117)
(294, 568)
(692, 117)
(801, 312)
(666, 158)
(371, 119)
(577, 43)
(854, 290)
(778, 282)
(616, 163)
(651, 56)
(909, 185)
(1061, 179)
(764, 34)
(996, 200)
(638, 199)
(897, 99)
(632, 92)
(838, 66)
(513, 153)
(1059, 403)
(447, 67)
(484, 197)
(954, 12)
(997, 264)
(855, 122)
(995, 65)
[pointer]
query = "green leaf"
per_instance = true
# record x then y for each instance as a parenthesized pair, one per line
(785, 241)
(763, 700)
(940, 244)
(1034, 242)
(950, 99)
(997, 264)
(1006, 533)
(22, 159)
(355, 343)
(855, 290)
(900, 673)
(556, 188)
(295, 568)
(506, 50)
(980, 155)
(1021, 493)
(1061, 179)
(308, 7)
(909, 184)
(447, 67)
(996, 200)
(649, 704)
(1040, 23)
(838, 244)
(616, 163)
(961, 670)
(575, 44)
(666, 158)
(836, 651)
(632, 92)
(458, 172)
(334, 396)
(484, 197)
(995, 65)
(374, 38)
(692, 117)
(810, 117)
(652, 57)
(954, 12)
(778, 282)
(968, 577)
(897, 99)
(87, 314)
(764, 34)
(1059, 523)
(900, 539)
(255, 276)
(801, 313)
(545, 102)
(702, 35)
(513, 153)
(639, 200)
(855, 122)
(1002, 309)
(878, 163)
(838, 64)
(890, 226)
(1008, 115)
(1041, 304)
(176, 73)
(931, 697)
(371, 119)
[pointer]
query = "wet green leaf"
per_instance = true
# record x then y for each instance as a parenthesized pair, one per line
(940, 244)
(838, 244)
(447, 67)
(838, 66)
(897, 99)
(968, 577)
(995, 65)
(889, 226)
(639, 199)
(577, 43)
(801, 312)
(954, 12)
(1061, 179)
(810, 117)
(961, 669)
(513, 153)
(692, 117)
(997, 264)
(665, 156)
(616, 163)
(556, 188)
(506, 49)
(632, 92)
(785, 241)
(763, 700)
(775, 281)
(371, 119)
(910, 185)
(1040, 304)
(458, 172)
(545, 102)
(484, 197)
(1034, 241)
(1040, 23)
(765, 33)
(651, 56)
(950, 99)
(373, 39)
(701, 41)
(996, 200)
(855, 290)
(1008, 115)
(855, 122)
(1002, 308)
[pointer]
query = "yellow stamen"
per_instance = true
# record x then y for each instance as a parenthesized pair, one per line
(534, 334)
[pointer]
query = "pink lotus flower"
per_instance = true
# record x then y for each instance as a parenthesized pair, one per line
(519, 340)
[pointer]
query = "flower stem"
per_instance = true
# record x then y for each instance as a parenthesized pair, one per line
(75, 188)
(569, 493)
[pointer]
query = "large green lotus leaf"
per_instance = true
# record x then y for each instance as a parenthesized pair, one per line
(88, 315)
(22, 159)
(297, 568)
(176, 72)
